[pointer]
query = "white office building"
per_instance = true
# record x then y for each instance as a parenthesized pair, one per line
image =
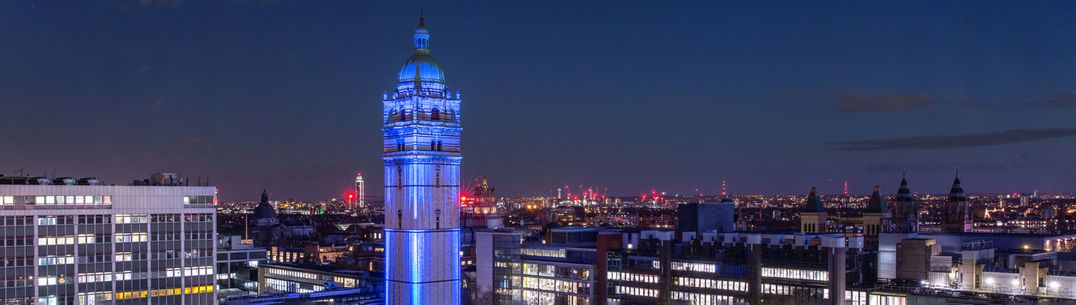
(68, 241)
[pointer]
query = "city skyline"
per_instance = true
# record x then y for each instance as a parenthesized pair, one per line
(771, 98)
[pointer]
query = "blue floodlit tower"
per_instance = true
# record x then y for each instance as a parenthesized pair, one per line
(422, 183)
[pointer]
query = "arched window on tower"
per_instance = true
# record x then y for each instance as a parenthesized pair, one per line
(403, 115)
(439, 146)
(392, 115)
(435, 114)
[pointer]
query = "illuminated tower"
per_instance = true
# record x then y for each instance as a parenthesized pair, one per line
(360, 188)
(422, 185)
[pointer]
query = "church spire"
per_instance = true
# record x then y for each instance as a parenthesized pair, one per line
(903, 193)
(956, 193)
(877, 203)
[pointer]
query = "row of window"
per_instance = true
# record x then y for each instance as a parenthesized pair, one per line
(84, 200)
(633, 277)
(636, 291)
(102, 277)
(557, 285)
(55, 240)
(709, 283)
(189, 271)
(17, 220)
(57, 200)
(694, 267)
(17, 261)
(199, 199)
(12, 241)
(555, 271)
(131, 237)
(797, 274)
(86, 239)
(132, 218)
(293, 273)
(289, 286)
(703, 298)
(557, 253)
(56, 260)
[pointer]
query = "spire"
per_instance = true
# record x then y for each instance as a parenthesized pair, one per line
(877, 204)
(956, 193)
(903, 193)
(814, 205)
(265, 196)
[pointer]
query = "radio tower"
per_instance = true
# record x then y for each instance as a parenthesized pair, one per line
(360, 187)
(724, 191)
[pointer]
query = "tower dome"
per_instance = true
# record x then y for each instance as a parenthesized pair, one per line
(421, 67)
(264, 213)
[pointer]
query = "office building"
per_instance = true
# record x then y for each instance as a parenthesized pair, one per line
(76, 241)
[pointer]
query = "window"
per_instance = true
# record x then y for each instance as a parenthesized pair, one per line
(131, 237)
(55, 240)
(124, 256)
(47, 280)
(132, 218)
(56, 260)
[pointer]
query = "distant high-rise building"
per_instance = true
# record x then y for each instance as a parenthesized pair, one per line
(422, 183)
(68, 241)
(360, 189)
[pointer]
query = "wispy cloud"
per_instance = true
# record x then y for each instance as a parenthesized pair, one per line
(193, 140)
(881, 103)
(956, 141)
(1060, 100)
(129, 4)
(935, 166)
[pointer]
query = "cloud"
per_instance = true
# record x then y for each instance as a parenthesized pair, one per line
(192, 140)
(935, 166)
(131, 4)
(160, 3)
(956, 141)
(881, 103)
(1060, 100)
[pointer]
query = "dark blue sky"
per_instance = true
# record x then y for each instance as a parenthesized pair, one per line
(776, 96)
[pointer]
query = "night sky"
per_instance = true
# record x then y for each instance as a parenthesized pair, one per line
(630, 96)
